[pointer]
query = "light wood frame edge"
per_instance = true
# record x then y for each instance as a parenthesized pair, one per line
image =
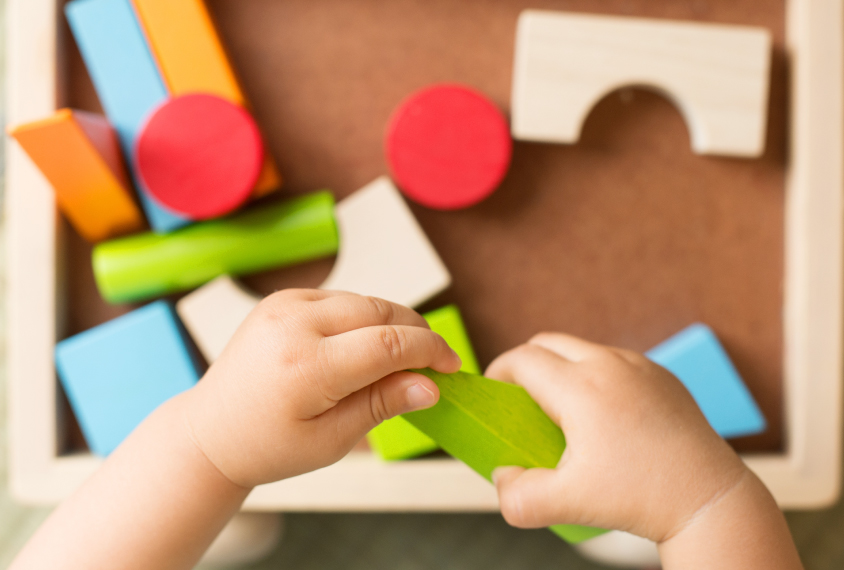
(808, 475)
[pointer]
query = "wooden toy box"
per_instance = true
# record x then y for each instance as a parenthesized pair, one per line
(800, 462)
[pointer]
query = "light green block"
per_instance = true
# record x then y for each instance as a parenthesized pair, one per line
(150, 265)
(448, 323)
(396, 439)
(489, 424)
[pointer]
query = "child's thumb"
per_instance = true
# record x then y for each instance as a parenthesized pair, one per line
(527, 496)
(400, 393)
(397, 394)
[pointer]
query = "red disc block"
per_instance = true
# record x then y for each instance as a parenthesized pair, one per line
(448, 147)
(200, 155)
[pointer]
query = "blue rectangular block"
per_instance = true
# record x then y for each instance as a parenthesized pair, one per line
(116, 374)
(126, 78)
(700, 362)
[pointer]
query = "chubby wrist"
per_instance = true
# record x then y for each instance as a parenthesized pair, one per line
(181, 425)
(742, 502)
(743, 528)
(736, 491)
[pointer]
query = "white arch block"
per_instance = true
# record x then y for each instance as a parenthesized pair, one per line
(717, 75)
(383, 252)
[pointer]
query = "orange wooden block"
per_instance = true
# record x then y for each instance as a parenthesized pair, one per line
(79, 154)
(192, 59)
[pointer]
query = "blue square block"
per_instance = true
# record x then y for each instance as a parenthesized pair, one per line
(127, 80)
(116, 374)
(697, 358)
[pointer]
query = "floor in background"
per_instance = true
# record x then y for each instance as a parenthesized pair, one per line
(416, 542)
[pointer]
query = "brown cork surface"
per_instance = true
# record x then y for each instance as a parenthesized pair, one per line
(624, 238)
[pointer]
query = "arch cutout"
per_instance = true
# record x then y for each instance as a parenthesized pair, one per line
(716, 75)
(383, 252)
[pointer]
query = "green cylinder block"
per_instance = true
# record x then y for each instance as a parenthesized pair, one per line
(150, 265)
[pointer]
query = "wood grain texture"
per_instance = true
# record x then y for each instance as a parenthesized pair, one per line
(716, 75)
(489, 424)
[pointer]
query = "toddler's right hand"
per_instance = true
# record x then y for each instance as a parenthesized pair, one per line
(305, 377)
(640, 456)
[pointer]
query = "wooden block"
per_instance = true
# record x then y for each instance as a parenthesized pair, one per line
(383, 252)
(150, 265)
(200, 155)
(448, 323)
(717, 75)
(695, 356)
(80, 156)
(212, 313)
(126, 79)
(192, 59)
(116, 374)
(448, 147)
(397, 439)
(488, 424)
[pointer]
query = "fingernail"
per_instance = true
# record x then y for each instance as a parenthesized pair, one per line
(499, 472)
(419, 397)
(457, 357)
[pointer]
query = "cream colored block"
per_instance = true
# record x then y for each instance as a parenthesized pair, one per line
(212, 313)
(383, 250)
(383, 253)
(717, 75)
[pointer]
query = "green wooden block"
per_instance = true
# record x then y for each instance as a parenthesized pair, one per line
(150, 265)
(397, 439)
(448, 323)
(489, 424)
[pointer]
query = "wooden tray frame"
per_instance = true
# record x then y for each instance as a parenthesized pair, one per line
(807, 475)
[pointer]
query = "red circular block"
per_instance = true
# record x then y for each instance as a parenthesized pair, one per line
(448, 147)
(200, 155)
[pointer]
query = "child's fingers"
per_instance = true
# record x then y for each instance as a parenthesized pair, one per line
(398, 393)
(567, 346)
(336, 315)
(308, 295)
(532, 498)
(363, 356)
(538, 371)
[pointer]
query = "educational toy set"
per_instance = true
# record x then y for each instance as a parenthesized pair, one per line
(180, 136)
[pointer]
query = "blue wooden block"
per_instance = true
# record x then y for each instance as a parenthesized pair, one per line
(116, 374)
(126, 78)
(697, 358)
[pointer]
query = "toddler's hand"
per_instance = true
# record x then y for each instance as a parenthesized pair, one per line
(640, 456)
(305, 377)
